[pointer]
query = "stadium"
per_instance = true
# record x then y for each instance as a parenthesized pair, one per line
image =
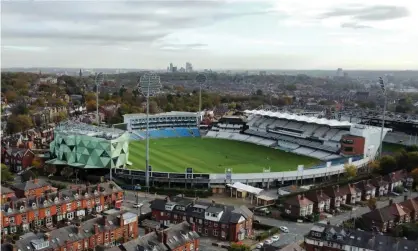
(259, 147)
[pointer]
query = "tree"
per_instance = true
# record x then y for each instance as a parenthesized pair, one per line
(36, 163)
(6, 175)
(51, 169)
(60, 117)
(238, 247)
(67, 172)
(350, 170)
(387, 164)
(10, 96)
(412, 160)
(374, 166)
(414, 174)
(19, 123)
(259, 92)
(91, 105)
(371, 203)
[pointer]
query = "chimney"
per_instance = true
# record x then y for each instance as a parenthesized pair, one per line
(390, 202)
(121, 220)
(106, 223)
(96, 228)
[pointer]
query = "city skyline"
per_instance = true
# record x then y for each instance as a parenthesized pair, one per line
(234, 34)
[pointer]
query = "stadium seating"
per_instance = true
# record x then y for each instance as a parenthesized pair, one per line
(338, 135)
(320, 131)
(183, 132)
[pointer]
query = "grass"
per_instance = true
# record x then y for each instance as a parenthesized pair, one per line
(390, 147)
(208, 155)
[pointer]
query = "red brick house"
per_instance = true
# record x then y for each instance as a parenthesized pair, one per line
(298, 206)
(338, 196)
(384, 219)
(107, 231)
(182, 236)
(31, 188)
(211, 219)
(56, 207)
(395, 179)
(6, 194)
(322, 202)
(18, 159)
(411, 205)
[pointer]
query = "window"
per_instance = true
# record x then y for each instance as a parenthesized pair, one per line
(215, 224)
(200, 221)
(78, 203)
(68, 207)
(47, 212)
(49, 220)
(199, 229)
(99, 239)
(206, 232)
(12, 220)
(206, 222)
(348, 149)
(215, 232)
(191, 219)
(24, 218)
(106, 236)
(112, 235)
(70, 216)
(162, 213)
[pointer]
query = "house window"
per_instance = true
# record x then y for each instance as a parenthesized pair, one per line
(162, 213)
(70, 216)
(68, 207)
(215, 224)
(206, 231)
(112, 235)
(206, 222)
(13, 229)
(199, 229)
(200, 221)
(47, 212)
(175, 216)
(78, 203)
(49, 220)
(215, 232)
(12, 220)
(223, 234)
(106, 236)
(191, 219)
(24, 218)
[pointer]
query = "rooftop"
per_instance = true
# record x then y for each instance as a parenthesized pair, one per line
(77, 128)
(300, 118)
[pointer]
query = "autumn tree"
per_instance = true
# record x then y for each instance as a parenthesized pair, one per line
(19, 123)
(371, 203)
(91, 105)
(60, 117)
(387, 164)
(350, 170)
(374, 166)
(10, 96)
(36, 163)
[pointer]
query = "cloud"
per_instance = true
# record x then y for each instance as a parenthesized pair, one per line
(113, 22)
(178, 47)
(369, 13)
(354, 26)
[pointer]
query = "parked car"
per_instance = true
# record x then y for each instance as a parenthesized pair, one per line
(284, 229)
(137, 205)
(268, 242)
(259, 245)
(275, 238)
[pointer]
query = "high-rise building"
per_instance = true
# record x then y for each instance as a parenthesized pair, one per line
(189, 67)
(340, 72)
(171, 67)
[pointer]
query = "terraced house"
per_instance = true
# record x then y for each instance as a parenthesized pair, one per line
(105, 231)
(52, 208)
(211, 219)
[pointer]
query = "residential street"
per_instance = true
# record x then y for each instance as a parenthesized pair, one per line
(298, 230)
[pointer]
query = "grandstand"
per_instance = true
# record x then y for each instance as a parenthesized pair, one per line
(308, 136)
(163, 125)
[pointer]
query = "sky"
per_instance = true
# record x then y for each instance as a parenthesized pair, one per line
(211, 34)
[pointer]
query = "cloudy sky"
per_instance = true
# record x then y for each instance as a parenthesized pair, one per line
(252, 34)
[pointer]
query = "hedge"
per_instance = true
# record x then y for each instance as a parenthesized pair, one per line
(267, 234)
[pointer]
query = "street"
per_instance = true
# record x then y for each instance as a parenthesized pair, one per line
(298, 230)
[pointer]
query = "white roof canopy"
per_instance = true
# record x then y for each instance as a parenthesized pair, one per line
(246, 188)
(300, 118)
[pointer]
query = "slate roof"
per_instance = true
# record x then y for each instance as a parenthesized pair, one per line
(395, 176)
(411, 204)
(385, 214)
(335, 191)
(379, 182)
(6, 190)
(176, 236)
(31, 184)
(59, 197)
(71, 233)
(298, 200)
(230, 213)
(317, 196)
(364, 185)
(364, 239)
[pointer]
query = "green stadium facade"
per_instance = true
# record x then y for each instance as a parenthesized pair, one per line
(86, 146)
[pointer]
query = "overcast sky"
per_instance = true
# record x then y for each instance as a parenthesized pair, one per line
(270, 34)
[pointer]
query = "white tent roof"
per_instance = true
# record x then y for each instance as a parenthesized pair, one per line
(247, 188)
(300, 118)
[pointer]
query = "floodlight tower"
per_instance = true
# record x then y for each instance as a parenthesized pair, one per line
(148, 85)
(382, 85)
(98, 81)
(200, 79)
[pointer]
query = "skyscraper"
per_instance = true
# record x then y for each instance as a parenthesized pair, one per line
(171, 67)
(189, 67)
